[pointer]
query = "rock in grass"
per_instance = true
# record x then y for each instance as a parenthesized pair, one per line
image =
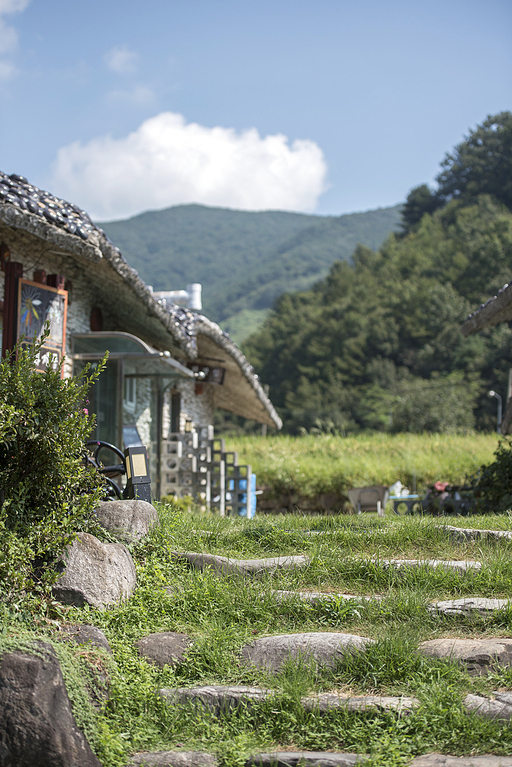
(95, 573)
(243, 567)
(220, 699)
(469, 606)
(328, 701)
(36, 720)
(444, 760)
(324, 649)
(463, 534)
(316, 597)
(499, 707)
(165, 648)
(87, 635)
(303, 759)
(459, 566)
(129, 521)
(174, 759)
(479, 656)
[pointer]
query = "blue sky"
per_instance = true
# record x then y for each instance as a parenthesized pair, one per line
(326, 107)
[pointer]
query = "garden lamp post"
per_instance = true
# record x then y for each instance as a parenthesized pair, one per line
(494, 394)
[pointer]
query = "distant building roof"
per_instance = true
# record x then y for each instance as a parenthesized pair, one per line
(497, 309)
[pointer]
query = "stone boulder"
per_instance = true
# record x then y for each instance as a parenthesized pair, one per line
(479, 656)
(324, 648)
(37, 725)
(95, 573)
(165, 648)
(87, 635)
(129, 521)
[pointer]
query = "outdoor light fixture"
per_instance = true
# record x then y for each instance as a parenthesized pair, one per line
(497, 396)
(137, 473)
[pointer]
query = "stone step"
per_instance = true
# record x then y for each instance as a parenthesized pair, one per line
(173, 759)
(443, 760)
(331, 759)
(220, 699)
(244, 567)
(459, 566)
(317, 597)
(463, 534)
(303, 759)
(469, 606)
(479, 656)
(323, 648)
(497, 707)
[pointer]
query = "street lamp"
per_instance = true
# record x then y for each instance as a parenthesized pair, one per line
(494, 394)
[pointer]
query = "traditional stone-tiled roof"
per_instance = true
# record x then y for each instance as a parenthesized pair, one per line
(25, 206)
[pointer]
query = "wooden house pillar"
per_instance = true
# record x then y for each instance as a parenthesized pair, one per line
(13, 272)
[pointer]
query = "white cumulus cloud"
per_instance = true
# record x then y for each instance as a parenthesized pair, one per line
(121, 59)
(8, 35)
(168, 161)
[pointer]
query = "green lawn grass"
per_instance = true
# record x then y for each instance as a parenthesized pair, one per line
(320, 464)
(223, 614)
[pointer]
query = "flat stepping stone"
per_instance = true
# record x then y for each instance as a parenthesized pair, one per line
(303, 759)
(315, 597)
(244, 567)
(462, 534)
(173, 759)
(460, 566)
(500, 707)
(328, 701)
(325, 648)
(220, 699)
(480, 656)
(469, 606)
(443, 760)
(164, 649)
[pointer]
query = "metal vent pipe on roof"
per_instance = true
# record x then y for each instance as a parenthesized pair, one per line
(191, 297)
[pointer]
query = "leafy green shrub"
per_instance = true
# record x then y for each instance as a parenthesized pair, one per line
(493, 482)
(47, 493)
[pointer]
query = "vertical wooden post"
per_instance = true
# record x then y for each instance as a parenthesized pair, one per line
(56, 281)
(13, 272)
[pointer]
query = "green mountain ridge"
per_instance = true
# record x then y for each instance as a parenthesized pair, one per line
(244, 260)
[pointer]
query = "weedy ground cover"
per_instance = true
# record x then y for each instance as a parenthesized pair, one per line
(319, 464)
(222, 614)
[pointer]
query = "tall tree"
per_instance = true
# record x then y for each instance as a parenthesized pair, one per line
(481, 164)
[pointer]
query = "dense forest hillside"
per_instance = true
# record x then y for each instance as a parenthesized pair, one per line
(377, 344)
(244, 260)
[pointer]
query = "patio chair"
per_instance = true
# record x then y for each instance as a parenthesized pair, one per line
(372, 498)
